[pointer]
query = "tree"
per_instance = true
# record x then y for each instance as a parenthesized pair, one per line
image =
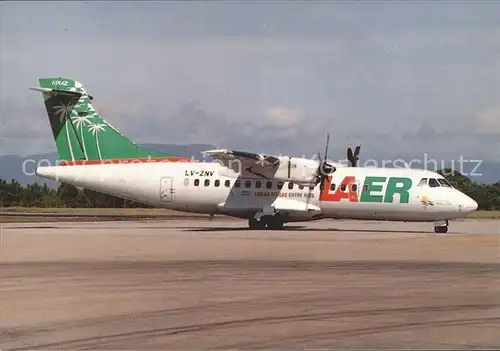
(486, 196)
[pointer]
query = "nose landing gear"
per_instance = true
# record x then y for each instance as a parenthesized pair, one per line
(441, 227)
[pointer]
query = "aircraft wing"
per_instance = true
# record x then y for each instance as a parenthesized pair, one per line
(284, 168)
(248, 158)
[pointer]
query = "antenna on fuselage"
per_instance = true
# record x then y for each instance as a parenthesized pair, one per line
(324, 168)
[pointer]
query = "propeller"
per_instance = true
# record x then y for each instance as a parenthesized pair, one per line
(324, 168)
(353, 157)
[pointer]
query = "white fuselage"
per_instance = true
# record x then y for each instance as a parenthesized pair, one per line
(366, 193)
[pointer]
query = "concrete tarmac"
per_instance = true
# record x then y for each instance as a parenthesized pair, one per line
(213, 284)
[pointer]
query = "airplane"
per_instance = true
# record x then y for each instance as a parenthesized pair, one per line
(266, 190)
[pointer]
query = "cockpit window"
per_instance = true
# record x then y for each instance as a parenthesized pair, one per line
(444, 183)
(433, 183)
(423, 182)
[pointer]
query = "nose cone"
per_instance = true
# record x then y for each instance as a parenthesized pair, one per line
(472, 206)
(468, 205)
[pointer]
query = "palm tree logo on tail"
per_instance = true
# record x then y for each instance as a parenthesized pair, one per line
(63, 112)
(95, 129)
(79, 121)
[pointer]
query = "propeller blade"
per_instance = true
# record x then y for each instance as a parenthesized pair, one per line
(356, 152)
(350, 156)
(324, 169)
(356, 155)
(322, 182)
(326, 147)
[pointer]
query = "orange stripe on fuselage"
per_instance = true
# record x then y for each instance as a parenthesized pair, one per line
(125, 161)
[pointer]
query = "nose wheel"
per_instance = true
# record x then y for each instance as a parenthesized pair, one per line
(441, 230)
(441, 227)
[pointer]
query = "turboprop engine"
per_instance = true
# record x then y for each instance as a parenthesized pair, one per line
(282, 168)
(297, 170)
(291, 169)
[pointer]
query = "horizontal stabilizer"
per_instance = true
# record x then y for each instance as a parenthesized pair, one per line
(52, 91)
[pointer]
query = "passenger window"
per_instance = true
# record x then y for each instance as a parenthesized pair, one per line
(290, 185)
(269, 184)
(311, 187)
(237, 184)
(280, 185)
(217, 182)
(332, 187)
(365, 188)
(343, 187)
(248, 183)
(433, 183)
(423, 182)
(196, 182)
(207, 182)
(227, 183)
(258, 184)
(444, 183)
(301, 187)
(354, 187)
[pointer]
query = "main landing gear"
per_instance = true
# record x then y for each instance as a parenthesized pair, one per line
(441, 227)
(266, 222)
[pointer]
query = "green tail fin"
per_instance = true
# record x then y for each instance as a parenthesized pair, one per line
(81, 134)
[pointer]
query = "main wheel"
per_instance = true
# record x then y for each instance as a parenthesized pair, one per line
(274, 223)
(441, 229)
(254, 223)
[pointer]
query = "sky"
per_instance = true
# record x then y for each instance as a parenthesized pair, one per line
(399, 78)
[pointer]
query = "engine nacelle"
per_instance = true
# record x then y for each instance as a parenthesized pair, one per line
(297, 170)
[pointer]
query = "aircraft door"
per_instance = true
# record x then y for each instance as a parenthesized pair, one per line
(355, 191)
(166, 189)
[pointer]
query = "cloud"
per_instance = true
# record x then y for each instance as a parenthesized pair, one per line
(24, 127)
(488, 121)
(284, 117)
